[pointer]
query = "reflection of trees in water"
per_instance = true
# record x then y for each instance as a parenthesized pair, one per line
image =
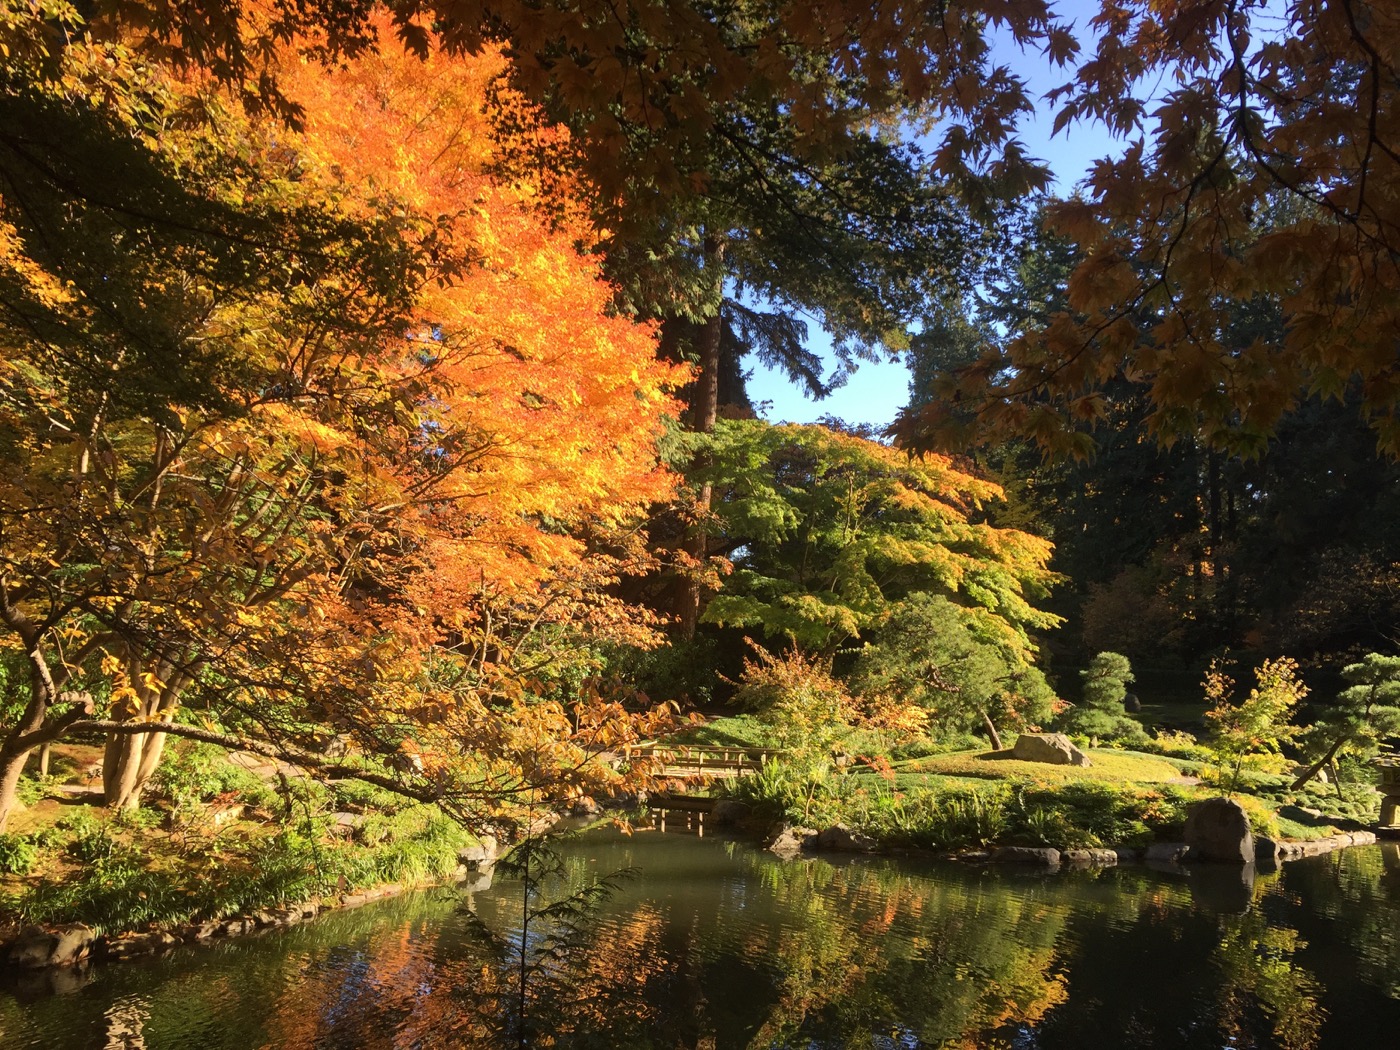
(1165, 968)
(870, 950)
(391, 990)
(1359, 890)
(1262, 988)
(125, 1025)
(823, 955)
(839, 955)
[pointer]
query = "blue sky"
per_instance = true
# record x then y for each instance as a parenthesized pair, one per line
(877, 391)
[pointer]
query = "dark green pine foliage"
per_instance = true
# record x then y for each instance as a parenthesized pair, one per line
(1363, 714)
(932, 653)
(1100, 713)
(1174, 550)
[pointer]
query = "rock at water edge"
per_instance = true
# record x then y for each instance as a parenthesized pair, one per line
(1042, 858)
(1217, 830)
(36, 948)
(790, 841)
(840, 837)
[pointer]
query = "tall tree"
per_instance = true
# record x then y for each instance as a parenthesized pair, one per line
(285, 415)
(827, 531)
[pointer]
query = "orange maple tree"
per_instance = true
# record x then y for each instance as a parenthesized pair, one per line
(390, 430)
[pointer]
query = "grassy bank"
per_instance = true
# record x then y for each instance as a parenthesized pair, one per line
(976, 798)
(213, 840)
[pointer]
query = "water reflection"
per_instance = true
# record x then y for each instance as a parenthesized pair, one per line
(728, 948)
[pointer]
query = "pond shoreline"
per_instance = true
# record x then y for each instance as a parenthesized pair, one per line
(37, 949)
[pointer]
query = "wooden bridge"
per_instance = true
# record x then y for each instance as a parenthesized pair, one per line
(702, 763)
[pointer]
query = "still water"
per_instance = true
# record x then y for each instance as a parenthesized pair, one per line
(716, 945)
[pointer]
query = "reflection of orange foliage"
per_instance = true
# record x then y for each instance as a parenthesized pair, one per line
(399, 981)
(1031, 993)
(612, 972)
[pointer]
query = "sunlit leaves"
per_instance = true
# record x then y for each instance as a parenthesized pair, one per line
(326, 422)
(827, 530)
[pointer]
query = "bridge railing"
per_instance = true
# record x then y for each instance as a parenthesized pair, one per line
(705, 758)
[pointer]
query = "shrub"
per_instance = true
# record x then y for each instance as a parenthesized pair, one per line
(1175, 744)
(31, 791)
(1100, 714)
(956, 818)
(1092, 813)
(192, 772)
(18, 855)
(1250, 734)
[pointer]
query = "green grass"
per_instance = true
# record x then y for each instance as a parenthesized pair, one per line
(729, 731)
(1108, 765)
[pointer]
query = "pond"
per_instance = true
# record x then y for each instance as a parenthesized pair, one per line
(717, 945)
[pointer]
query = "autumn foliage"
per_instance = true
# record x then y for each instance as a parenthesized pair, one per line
(1259, 177)
(319, 425)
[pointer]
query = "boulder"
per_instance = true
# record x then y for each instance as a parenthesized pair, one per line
(204, 931)
(584, 806)
(344, 825)
(130, 945)
(481, 855)
(1045, 857)
(1217, 830)
(1267, 850)
(1089, 858)
(839, 837)
(36, 948)
(1053, 748)
(788, 841)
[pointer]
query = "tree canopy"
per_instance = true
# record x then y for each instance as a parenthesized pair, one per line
(827, 531)
(1265, 173)
(302, 420)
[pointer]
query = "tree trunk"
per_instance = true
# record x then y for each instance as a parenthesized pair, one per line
(11, 766)
(130, 759)
(992, 733)
(127, 764)
(1319, 765)
(121, 762)
(21, 738)
(704, 412)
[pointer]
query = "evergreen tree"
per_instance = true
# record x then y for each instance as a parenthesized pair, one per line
(1100, 713)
